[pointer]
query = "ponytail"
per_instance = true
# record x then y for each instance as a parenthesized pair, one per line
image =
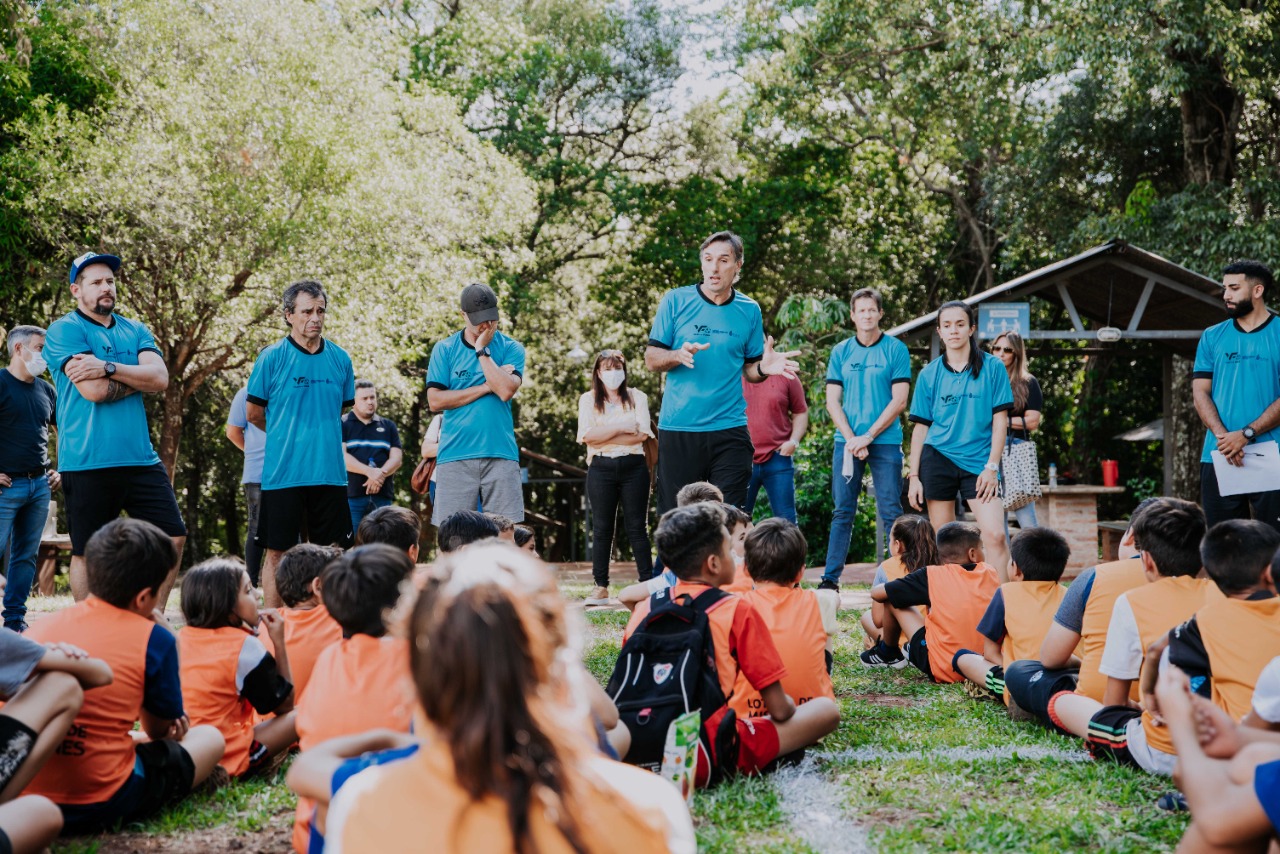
(919, 546)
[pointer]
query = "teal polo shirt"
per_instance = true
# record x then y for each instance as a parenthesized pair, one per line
(867, 374)
(304, 395)
(99, 435)
(484, 428)
(709, 395)
(958, 407)
(1245, 370)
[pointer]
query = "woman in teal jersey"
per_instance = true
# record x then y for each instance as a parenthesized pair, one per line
(960, 413)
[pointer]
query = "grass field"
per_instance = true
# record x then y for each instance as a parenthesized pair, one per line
(913, 767)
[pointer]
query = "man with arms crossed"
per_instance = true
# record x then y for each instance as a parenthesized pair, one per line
(297, 391)
(100, 362)
(705, 337)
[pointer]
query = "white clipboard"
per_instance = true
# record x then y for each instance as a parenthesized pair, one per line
(1260, 472)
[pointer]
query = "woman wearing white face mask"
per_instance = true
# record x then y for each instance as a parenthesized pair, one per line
(613, 422)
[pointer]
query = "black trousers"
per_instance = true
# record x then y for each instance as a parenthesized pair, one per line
(612, 481)
(722, 457)
(1219, 508)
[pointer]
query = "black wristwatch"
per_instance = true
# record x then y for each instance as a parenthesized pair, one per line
(1248, 433)
(109, 369)
(484, 352)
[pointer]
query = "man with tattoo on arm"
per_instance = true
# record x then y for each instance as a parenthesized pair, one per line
(102, 363)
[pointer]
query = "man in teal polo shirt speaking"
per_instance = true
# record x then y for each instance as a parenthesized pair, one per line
(102, 363)
(471, 378)
(706, 337)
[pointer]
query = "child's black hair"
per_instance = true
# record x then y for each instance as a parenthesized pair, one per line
(362, 584)
(775, 551)
(734, 516)
(464, 528)
(919, 542)
(1170, 531)
(210, 590)
(125, 557)
(1040, 553)
(523, 535)
(955, 539)
(393, 526)
(1235, 553)
(686, 536)
(298, 567)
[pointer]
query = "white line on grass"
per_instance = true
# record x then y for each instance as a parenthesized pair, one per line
(1030, 752)
(816, 811)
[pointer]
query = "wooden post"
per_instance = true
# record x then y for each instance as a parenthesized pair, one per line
(1169, 426)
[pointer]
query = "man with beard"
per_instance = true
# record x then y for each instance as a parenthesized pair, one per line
(102, 363)
(1236, 386)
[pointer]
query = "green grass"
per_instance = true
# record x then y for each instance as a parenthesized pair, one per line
(921, 767)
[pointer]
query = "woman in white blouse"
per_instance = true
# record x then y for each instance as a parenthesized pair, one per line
(613, 422)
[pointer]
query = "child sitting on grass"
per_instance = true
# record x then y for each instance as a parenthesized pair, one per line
(956, 592)
(1021, 611)
(227, 673)
(101, 774)
(912, 546)
(775, 553)
(362, 682)
(463, 528)
(308, 626)
(1168, 535)
(690, 493)
(695, 544)
(398, 527)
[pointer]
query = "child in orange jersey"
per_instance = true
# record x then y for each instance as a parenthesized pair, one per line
(499, 767)
(695, 544)
(912, 545)
(398, 527)
(227, 673)
(1167, 534)
(956, 592)
(308, 626)
(101, 774)
(690, 493)
(739, 525)
(775, 553)
(1022, 610)
(362, 682)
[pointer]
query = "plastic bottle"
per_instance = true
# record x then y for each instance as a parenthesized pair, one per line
(1053, 474)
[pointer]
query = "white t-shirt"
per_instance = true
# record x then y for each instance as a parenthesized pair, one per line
(1123, 654)
(1266, 693)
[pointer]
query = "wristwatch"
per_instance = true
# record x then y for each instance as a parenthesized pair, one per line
(1248, 434)
(484, 352)
(109, 369)
(992, 467)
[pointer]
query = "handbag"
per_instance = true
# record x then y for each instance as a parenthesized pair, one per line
(1019, 474)
(420, 480)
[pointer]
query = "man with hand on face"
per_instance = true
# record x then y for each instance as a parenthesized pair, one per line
(707, 338)
(373, 454)
(297, 391)
(1236, 387)
(27, 406)
(100, 362)
(471, 378)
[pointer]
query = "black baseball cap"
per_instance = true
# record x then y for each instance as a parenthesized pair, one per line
(479, 303)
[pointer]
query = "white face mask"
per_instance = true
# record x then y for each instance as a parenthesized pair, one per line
(612, 379)
(37, 365)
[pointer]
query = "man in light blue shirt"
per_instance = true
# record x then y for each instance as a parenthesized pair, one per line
(706, 338)
(471, 377)
(253, 442)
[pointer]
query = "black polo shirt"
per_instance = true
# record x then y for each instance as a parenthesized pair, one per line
(370, 444)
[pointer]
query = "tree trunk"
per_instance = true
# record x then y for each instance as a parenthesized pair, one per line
(1211, 109)
(1186, 432)
(174, 401)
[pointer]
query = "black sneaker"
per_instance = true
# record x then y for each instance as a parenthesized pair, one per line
(828, 584)
(882, 656)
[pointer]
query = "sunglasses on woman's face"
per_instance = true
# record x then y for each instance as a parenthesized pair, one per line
(1008, 350)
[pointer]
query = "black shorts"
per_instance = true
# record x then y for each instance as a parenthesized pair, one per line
(1262, 506)
(162, 773)
(312, 514)
(918, 653)
(722, 457)
(942, 479)
(16, 741)
(95, 497)
(1108, 734)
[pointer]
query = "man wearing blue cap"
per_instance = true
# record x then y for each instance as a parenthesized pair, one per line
(101, 362)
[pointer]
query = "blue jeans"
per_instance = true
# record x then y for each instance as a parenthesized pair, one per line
(23, 509)
(885, 462)
(778, 477)
(362, 506)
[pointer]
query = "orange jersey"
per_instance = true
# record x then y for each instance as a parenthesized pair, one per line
(307, 631)
(1241, 637)
(741, 638)
(97, 756)
(1029, 607)
(358, 684)
(796, 627)
(1109, 581)
(741, 581)
(958, 598)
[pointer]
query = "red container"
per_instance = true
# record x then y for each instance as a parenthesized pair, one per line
(1110, 473)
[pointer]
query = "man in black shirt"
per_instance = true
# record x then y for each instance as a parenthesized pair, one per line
(26, 479)
(373, 454)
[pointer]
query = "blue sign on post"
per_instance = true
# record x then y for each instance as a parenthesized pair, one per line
(996, 318)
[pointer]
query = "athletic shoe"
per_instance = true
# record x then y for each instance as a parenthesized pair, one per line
(828, 584)
(599, 596)
(882, 656)
(1173, 802)
(974, 690)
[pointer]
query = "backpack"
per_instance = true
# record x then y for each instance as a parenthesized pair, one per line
(667, 668)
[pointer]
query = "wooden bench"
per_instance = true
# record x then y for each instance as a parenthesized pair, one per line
(1110, 534)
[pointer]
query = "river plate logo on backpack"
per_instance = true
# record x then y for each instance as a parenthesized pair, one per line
(661, 672)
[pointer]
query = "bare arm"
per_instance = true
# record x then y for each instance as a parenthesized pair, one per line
(504, 383)
(1202, 395)
(89, 375)
(799, 426)
(430, 449)
(355, 466)
(1028, 421)
(779, 705)
(64, 658)
(992, 652)
(256, 415)
(878, 594)
(444, 399)
(394, 461)
(1058, 645)
(236, 435)
(835, 408)
(658, 359)
(915, 488)
(1117, 692)
(311, 773)
(604, 434)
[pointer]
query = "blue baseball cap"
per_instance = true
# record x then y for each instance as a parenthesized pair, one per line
(88, 258)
